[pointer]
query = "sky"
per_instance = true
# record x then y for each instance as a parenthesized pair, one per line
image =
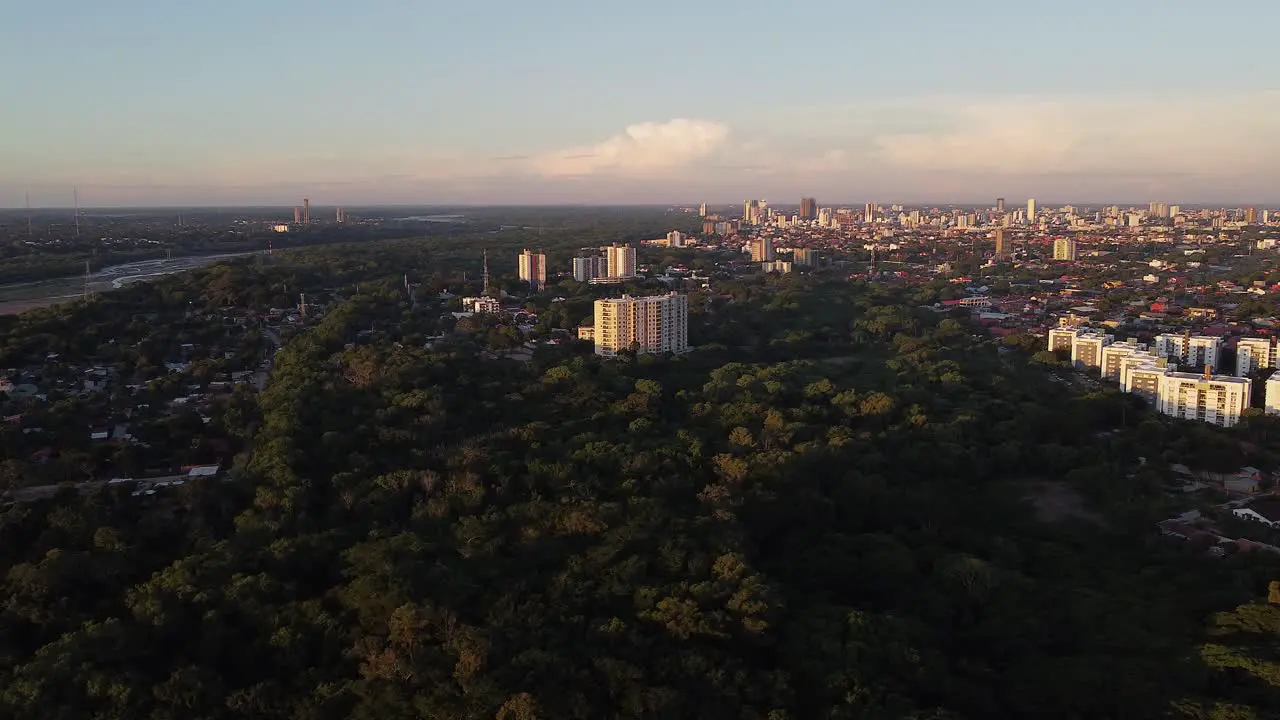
(261, 102)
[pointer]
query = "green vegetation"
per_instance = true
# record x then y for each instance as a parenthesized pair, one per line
(833, 509)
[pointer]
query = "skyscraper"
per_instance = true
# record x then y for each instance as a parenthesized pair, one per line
(306, 211)
(297, 214)
(869, 213)
(762, 250)
(999, 205)
(533, 269)
(1002, 249)
(808, 208)
(1031, 211)
(340, 216)
(620, 261)
(653, 324)
(586, 269)
(702, 210)
(1065, 249)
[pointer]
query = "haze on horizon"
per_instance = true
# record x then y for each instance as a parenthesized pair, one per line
(148, 103)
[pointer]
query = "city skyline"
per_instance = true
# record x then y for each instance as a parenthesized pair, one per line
(502, 109)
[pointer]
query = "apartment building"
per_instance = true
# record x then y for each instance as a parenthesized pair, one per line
(1215, 399)
(1189, 350)
(1255, 354)
(620, 261)
(1113, 356)
(1065, 249)
(1272, 402)
(533, 269)
(1142, 378)
(1086, 349)
(652, 324)
(762, 250)
(586, 269)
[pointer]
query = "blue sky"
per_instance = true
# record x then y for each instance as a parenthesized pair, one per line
(151, 102)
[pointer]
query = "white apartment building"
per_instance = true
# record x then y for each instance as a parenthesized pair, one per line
(675, 238)
(481, 304)
(586, 269)
(620, 261)
(1189, 350)
(1215, 399)
(1255, 354)
(1065, 249)
(1141, 375)
(652, 324)
(1113, 356)
(779, 266)
(1272, 401)
(1086, 349)
(533, 269)
(1061, 339)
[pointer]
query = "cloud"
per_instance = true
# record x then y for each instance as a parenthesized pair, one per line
(1201, 136)
(643, 149)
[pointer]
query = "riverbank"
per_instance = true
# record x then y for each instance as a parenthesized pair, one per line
(20, 297)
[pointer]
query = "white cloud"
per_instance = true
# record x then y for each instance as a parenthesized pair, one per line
(1202, 136)
(642, 149)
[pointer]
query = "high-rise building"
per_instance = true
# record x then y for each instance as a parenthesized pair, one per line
(702, 210)
(1188, 350)
(762, 250)
(620, 261)
(306, 211)
(755, 212)
(1256, 354)
(533, 269)
(999, 205)
(1272, 406)
(1002, 248)
(1113, 357)
(1216, 399)
(675, 238)
(652, 324)
(1175, 211)
(808, 208)
(807, 257)
(1251, 216)
(1031, 211)
(297, 214)
(1065, 249)
(340, 216)
(869, 213)
(586, 269)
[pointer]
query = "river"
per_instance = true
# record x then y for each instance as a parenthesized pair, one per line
(19, 297)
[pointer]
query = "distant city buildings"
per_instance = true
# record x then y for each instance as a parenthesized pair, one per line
(1002, 247)
(869, 213)
(533, 269)
(807, 257)
(1065, 249)
(999, 205)
(652, 324)
(675, 238)
(808, 208)
(762, 249)
(1031, 211)
(340, 216)
(481, 305)
(306, 211)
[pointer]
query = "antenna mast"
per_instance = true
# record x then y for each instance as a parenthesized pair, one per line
(28, 202)
(86, 280)
(485, 292)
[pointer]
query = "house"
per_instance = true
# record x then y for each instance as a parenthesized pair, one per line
(1266, 512)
